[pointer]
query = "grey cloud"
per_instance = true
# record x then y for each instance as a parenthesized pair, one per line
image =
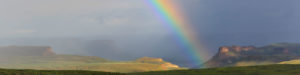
(137, 32)
(78, 18)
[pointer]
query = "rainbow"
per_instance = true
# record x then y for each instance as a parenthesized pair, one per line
(169, 12)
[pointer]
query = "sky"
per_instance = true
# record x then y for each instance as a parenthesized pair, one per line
(73, 18)
(132, 30)
(246, 22)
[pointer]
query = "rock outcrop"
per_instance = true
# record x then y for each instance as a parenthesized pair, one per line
(160, 61)
(227, 55)
(233, 51)
(250, 55)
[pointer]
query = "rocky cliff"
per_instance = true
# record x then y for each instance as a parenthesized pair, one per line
(250, 55)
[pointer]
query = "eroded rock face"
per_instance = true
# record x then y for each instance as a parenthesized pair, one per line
(232, 51)
(250, 55)
(228, 55)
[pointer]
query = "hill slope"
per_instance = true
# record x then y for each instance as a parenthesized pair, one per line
(44, 58)
(250, 70)
(296, 61)
(75, 62)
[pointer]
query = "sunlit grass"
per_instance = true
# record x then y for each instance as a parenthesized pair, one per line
(249, 70)
(74, 62)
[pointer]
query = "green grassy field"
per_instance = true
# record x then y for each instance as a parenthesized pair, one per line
(279, 69)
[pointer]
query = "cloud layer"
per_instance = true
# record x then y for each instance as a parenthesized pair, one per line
(55, 18)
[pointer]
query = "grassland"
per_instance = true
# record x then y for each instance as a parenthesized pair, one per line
(49, 72)
(75, 62)
(279, 69)
(296, 61)
(250, 70)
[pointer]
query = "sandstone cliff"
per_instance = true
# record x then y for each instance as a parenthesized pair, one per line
(250, 55)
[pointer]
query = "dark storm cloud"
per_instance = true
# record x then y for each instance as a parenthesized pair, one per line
(244, 22)
(242, 15)
(73, 26)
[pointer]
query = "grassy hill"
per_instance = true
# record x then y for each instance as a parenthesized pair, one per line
(250, 70)
(296, 61)
(91, 63)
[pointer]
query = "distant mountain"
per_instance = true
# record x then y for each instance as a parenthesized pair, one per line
(91, 63)
(26, 51)
(43, 58)
(250, 55)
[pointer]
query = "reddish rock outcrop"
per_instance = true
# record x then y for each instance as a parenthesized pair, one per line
(245, 55)
(231, 51)
(228, 54)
